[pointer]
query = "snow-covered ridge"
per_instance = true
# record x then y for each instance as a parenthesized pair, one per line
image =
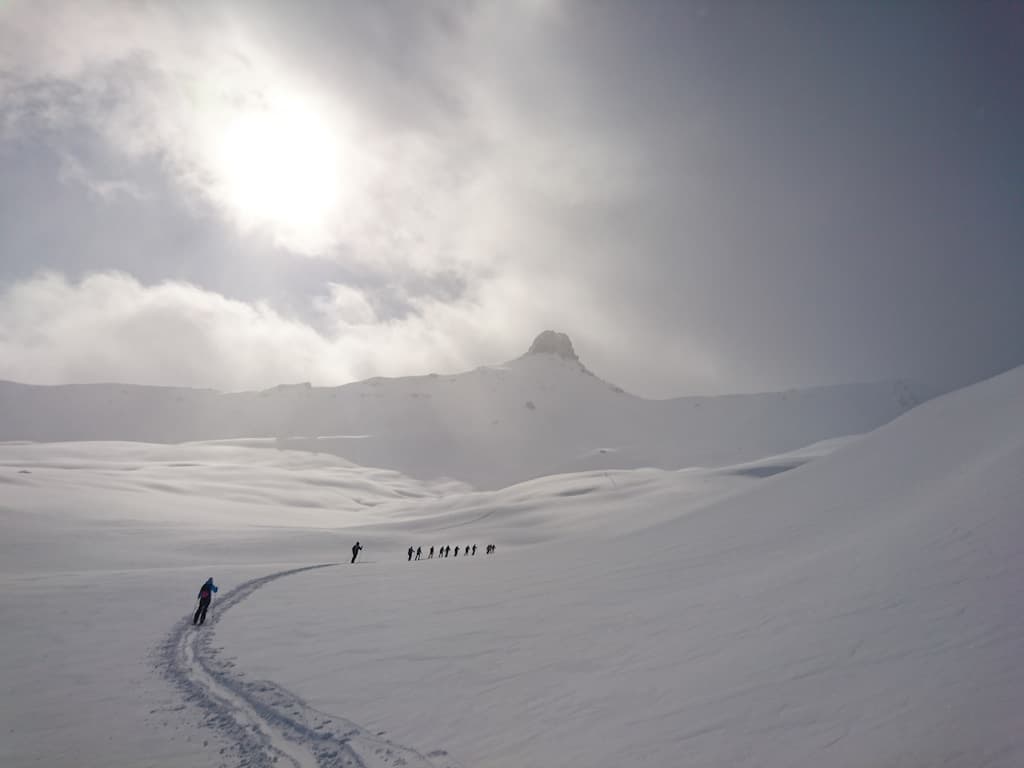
(541, 413)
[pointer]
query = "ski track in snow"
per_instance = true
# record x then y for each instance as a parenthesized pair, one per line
(266, 725)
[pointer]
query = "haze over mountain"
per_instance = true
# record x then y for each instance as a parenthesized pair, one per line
(538, 414)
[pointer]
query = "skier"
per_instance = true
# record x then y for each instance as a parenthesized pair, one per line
(447, 550)
(205, 596)
(355, 550)
(431, 555)
(419, 551)
(456, 551)
(410, 554)
(474, 549)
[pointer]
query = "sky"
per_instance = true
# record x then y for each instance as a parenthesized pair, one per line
(707, 197)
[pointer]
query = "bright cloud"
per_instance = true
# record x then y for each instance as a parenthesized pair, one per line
(307, 153)
(109, 327)
(295, 152)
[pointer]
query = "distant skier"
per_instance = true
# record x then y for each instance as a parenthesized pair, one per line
(456, 551)
(447, 550)
(410, 554)
(205, 596)
(474, 549)
(355, 550)
(431, 555)
(419, 551)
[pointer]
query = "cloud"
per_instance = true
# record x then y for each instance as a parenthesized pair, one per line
(234, 125)
(706, 198)
(72, 171)
(314, 151)
(109, 327)
(418, 147)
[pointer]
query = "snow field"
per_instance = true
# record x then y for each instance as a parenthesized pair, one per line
(861, 610)
(855, 604)
(101, 550)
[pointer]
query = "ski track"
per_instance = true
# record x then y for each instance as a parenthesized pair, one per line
(266, 725)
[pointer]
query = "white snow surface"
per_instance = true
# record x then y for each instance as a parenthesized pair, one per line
(857, 603)
(540, 414)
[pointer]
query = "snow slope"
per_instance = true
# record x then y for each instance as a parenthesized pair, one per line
(103, 545)
(540, 414)
(858, 604)
(862, 610)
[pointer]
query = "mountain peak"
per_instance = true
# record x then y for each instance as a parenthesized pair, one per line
(553, 343)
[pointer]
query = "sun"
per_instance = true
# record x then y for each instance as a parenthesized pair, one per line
(278, 168)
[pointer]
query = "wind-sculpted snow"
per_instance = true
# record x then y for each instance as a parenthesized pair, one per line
(265, 724)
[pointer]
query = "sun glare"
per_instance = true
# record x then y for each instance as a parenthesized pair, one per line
(279, 168)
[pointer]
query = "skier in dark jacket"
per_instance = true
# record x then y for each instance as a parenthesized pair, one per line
(355, 550)
(205, 596)
(410, 554)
